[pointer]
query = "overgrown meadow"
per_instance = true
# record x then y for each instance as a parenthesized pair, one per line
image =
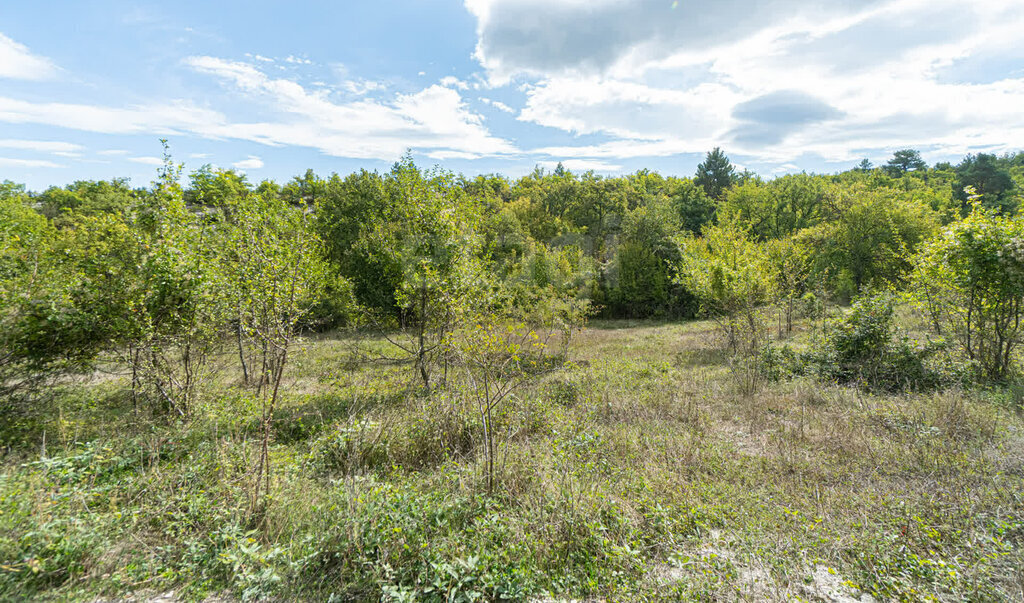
(413, 386)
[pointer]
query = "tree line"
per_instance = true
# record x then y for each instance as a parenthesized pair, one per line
(161, 274)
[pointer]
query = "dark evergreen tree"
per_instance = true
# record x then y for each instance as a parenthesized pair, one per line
(716, 174)
(989, 179)
(905, 160)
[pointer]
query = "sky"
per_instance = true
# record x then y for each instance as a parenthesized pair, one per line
(88, 89)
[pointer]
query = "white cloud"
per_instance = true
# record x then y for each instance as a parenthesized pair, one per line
(297, 60)
(454, 82)
(27, 163)
(18, 62)
(42, 146)
(500, 106)
(361, 87)
(259, 57)
(770, 79)
(582, 165)
(173, 118)
(446, 155)
(546, 37)
(433, 119)
(147, 160)
(252, 163)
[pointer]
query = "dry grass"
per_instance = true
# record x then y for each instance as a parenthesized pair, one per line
(641, 471)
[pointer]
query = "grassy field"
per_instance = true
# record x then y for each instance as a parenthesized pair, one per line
(643, 470)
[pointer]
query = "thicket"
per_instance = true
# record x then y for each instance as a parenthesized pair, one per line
(477, 287)
(99, 267)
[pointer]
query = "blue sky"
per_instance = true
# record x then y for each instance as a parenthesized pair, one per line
(271, 88)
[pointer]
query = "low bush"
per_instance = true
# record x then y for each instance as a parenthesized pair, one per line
(866, 348)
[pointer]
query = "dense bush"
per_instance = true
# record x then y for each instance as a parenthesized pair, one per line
(865, 347)
(970, 282)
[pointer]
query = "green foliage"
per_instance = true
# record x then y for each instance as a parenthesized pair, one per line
(731, 277)
(278, 274)
(781, 207)
(905, 160)
(726, 270)
(715, 174)
(85, 198)
(990, 182)
(693, 207)
(215, 187)
(866, 348)
(970, 282)
(640, 281)
(41, 334)
(870, 242)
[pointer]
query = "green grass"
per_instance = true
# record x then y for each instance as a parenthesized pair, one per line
(638, 472)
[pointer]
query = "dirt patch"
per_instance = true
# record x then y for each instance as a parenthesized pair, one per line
(827, 585)
(755, 582)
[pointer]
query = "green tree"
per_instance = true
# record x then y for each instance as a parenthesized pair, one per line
(779, 208)
(731, 277)
(86, 198)
(214, 187)
(992, 183)
(715, 174)
(304, 190)
(870, 241)
(30, 293)
(183, 305)
(641, 276)
(433, 247)
(970, 282)
(905, 160)
(276, 278)
(694, 208)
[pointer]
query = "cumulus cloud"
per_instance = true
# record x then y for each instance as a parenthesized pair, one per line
(147, 160)
(18, 62)
(453, 82)
(500, 106)
(252, 163)
(543, 37)
(770, 79)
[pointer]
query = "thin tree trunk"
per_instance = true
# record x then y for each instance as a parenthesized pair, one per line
(241, 354)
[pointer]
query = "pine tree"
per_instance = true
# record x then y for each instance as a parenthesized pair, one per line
(716, 174)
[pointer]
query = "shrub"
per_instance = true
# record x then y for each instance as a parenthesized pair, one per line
(864, 347)
(970, 282)
(731, 276)
(348, 447)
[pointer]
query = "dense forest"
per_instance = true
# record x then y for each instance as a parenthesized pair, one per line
(416, 385)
